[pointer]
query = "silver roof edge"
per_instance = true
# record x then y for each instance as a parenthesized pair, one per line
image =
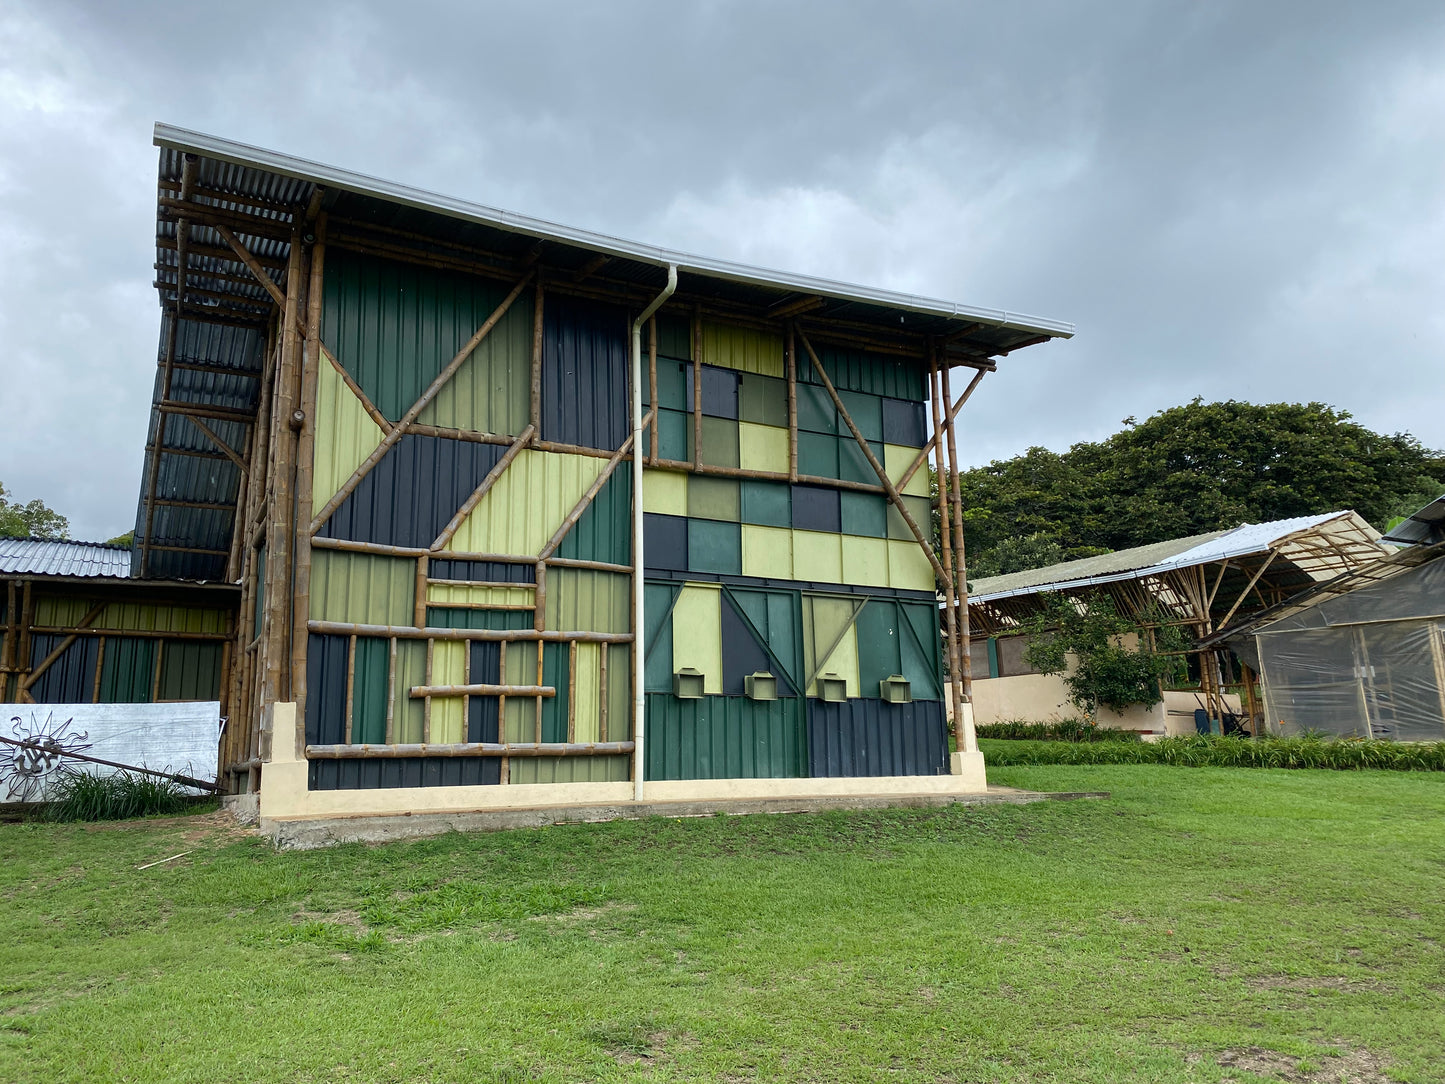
(184, 140)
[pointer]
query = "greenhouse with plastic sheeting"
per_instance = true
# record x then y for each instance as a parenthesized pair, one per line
(1369, 663)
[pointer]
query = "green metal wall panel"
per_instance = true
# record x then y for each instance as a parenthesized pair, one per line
(674, 435)
(922, 650)
(763, 400)
(604, 533)
(816, 412)
(817, 455)
(127, 672)
(713, 498)
(777, 618)
(571, 769)
(920, 508)
(68, 611)
(190, 670)
(720, 447)
(409, 714)
(872, 374)
(853, 465)
(368, 690)
(657, 635)
(446, 617)
(866, 412)
(362, 588)
(766, 503)
(672, 385)
(584, 600)
(724, 737)
(864, 514)
(674, 338)
(394, 326)
(714, 547)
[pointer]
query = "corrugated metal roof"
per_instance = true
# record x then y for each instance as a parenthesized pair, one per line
(1421, 528)
(1148, 560)
(40, 557)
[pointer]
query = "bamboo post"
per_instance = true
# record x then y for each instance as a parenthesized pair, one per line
(504, 769)
(792, 360)
(419, 597)
(952, 413)
(306, 471)
(537, 333)
(950, 623)
(391, 695)
(572, 691)
(652, 385)
(960, 565)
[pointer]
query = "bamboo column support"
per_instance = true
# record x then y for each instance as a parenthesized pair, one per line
(306, 470)
(952, 413)
(39, 670)
(652, 386)
(587, 498)
(538, 327)
(792, 360)
(959, 563)
(950, 603)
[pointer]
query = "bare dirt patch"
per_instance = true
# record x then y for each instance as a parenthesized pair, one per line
(349, 919)
(1342, 1066)
(1316, 983)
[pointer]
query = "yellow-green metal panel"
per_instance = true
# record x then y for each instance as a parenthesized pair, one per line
(587, 722)
(920, 508)
(527, 504)
(908, 567)
(448, 667)
(520, 668)
(345, 434)
(896, 460)
(570, 769)
(51, 612)
(823, 619)
(619, 692)
(409, 716)
(665, 492)
(767, 552)
(865, 561)
(763, 447)
(817, 556)
(491, 391)
(458, 594)
(67, 612)
(742, 348)
(697, 633)
(584, 600)
(362, 588)
(720, 445)
(713, 498)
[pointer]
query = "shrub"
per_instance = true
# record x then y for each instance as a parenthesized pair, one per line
(1058, 730)
(1215, 751)
(81, 796)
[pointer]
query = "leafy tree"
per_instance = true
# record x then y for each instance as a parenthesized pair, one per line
(1083, 639)
(121, 539)
(33, 520)
(1017, 554)
(1191, 469)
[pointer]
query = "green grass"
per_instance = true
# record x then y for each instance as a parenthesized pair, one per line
(1200, 751)
(85, 796)
(1192, 918)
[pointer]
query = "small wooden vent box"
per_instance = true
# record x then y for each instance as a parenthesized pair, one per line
(761, 686)
(895, 689)
(832, 689)
(687, 684)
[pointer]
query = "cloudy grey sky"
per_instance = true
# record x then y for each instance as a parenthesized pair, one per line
(1229, 199)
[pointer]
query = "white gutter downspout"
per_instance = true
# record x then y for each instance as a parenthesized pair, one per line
(639, 646)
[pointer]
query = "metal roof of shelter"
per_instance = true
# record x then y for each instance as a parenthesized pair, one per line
(47, 557)
(184, 519)
(1422, 528)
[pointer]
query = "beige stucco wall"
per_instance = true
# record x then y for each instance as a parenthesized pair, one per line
(1042, 698)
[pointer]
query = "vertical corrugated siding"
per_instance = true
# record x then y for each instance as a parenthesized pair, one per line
(584, 600)
(445, 617)
(189, 670)
(657, 636)
(449, 662)
(490, 393)
(604, 533)
(345, 434)
(409, 713)
(67, 611)
(584, 372)
(326, 689)
(875, 738)
(363, 588)
(665, 492)
(742, 348)
(527, 504)
(70, 679)
(394, 326)
(724, 737)
(413, 492)
(871, 374)
(403, 772)
(570, 769)
(368, 692)
(777, 618)
(127, 673)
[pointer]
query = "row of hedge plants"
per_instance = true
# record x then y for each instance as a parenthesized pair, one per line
(1054, 730)
(1215, 751)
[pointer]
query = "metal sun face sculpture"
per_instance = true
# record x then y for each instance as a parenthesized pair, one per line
(39, 754)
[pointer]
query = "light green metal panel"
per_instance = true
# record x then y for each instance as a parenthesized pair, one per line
(345, 434)
(713, 498)
(763, 400)
(817, 557)
(664, 492)
(448, 667)
(824, 619)
(461, 594)
(520, 668)
(570, 769)
(68, 611)
(742, 348)
(583, 600)
(699, 612)
(920, 508)
(362, 587)
(908, 567)
(767, 552)
(619, 692)
(763, 447)
(720, 442)
(527, 503)
(896, 460)
(865, 561)
(490, 392)
(587, 709)
(409, 713)
(189, 670)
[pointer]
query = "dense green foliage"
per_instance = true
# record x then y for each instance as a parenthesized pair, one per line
(1215, 751)
(1062, 730)
(1136, 939)
(1089, 642)
(33, 520)
(1187, 470)
(83, 796)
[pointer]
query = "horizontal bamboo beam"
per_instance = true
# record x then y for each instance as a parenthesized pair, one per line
(200, 410)
(595, 566)
(469, 749)
(764, 475)
(322, 543)
(215, 252)
(417, 692)
(407, 632)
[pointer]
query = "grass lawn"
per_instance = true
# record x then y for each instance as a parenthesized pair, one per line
(1201, 925)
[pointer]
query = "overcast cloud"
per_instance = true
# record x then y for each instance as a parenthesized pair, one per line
(1229, 199)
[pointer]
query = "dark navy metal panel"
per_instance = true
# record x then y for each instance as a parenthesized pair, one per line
(584, 372)
(70, 679)
(743, 654)
(404, 772)
(492, 571)
(413, 492)
(816, 508)
(326, 689)
(482, 715)
(719, 391)
(664, 541)
(903, 423)
(873, 738)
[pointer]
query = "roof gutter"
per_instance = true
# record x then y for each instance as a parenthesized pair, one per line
(639, 662)
(241, 154)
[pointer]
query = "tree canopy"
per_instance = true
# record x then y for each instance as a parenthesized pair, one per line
(1187, 470)
(33, 520)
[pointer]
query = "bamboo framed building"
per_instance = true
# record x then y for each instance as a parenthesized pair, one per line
(524, 515)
